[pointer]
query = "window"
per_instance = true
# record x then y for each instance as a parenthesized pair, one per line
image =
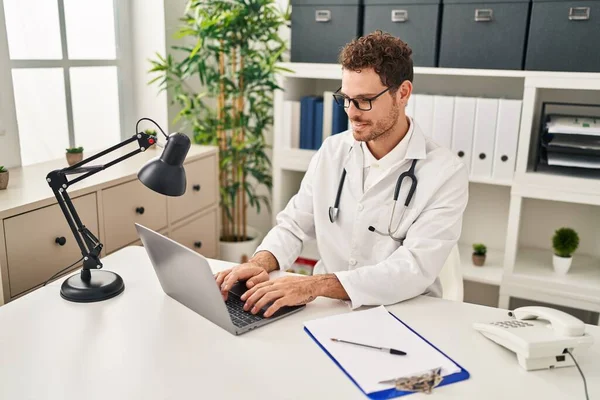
(67, 64)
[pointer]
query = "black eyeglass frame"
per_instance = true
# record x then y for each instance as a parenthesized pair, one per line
(340, 99)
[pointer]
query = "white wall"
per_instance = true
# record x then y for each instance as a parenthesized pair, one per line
(148, 38)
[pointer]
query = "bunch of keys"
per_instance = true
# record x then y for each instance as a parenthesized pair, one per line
(423, 383)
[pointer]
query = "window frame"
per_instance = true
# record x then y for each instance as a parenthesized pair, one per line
(122, 62)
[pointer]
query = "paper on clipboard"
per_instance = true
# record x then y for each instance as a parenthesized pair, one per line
(378, 328)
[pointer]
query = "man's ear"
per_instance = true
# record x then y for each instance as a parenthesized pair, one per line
(403, 93)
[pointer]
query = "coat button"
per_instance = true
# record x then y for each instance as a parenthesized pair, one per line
(360, 207)
(352, 261)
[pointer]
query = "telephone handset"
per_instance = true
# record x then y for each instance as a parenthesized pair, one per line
(540, 336)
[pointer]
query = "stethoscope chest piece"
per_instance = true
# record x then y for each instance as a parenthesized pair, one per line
(333, 213)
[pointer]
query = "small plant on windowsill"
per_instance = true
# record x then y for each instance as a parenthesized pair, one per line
(479, 252)
(3, 177)
(74, 155)
(564, 242)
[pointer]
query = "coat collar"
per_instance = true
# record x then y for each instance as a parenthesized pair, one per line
(355, 162)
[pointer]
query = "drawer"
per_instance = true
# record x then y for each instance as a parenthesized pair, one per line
(413, 21)
(126, 204)
(201, 190)
(565, 28)
(32, 252)
(320, 28)
(199, 235)
(483, 34)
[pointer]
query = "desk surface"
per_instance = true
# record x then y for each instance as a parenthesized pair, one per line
(144, 345)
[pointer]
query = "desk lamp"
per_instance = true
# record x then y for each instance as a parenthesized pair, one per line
(163, 174)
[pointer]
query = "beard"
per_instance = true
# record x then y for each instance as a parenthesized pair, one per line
(372, 131)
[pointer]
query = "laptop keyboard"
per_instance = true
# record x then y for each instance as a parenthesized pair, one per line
(239, 317)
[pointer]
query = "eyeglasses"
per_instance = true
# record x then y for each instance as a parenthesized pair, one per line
(363, 104)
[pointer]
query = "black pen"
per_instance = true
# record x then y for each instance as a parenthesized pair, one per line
(384, 349)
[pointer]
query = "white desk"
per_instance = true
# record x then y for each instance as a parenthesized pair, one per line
(144, 345)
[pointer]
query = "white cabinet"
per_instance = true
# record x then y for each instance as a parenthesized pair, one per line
(35, 239)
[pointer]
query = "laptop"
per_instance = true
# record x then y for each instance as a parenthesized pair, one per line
(186, 277)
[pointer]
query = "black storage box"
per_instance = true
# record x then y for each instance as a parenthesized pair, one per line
(321, 28)
(487, 34)
(416, 22)
(564, 36)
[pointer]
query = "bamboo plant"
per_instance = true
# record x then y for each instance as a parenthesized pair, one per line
(231, 49)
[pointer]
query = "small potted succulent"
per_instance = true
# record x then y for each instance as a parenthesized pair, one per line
(3, 177)
(74, 155)
(479, 252)
(564, 242)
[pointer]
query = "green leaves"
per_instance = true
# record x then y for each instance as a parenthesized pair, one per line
(191, 74)
(565, 241)
(74, 150)
(479, 249)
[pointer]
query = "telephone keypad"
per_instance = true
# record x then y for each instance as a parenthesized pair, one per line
(512, 324)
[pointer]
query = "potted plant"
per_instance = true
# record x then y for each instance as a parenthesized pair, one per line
(564, 242)
(479, 252)
(3, 177)
(74, 155)
(231, 49)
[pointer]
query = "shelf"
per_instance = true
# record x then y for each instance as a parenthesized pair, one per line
(536, 78)
(294, 159)
(490, 273)
(545, 186)
(533, 270)
(490, 181)
(298, 160)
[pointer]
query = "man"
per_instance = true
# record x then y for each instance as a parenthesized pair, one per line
(373, 251)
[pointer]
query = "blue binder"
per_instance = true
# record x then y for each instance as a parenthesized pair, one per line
(307, 122)
(461, 375)
(318, 127)
(339, 121)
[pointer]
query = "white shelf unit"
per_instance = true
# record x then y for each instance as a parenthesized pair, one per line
(496, 214)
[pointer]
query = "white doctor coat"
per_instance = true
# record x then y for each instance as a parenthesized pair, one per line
(375, 269)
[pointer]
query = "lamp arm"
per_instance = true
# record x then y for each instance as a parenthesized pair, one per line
(89, 245)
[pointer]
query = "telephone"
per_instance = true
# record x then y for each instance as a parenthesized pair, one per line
(540, 336)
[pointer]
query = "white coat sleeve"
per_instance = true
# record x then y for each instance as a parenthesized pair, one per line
(415, 265)
(295, 223)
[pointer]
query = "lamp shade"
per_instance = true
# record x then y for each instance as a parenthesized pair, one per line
(166, 174)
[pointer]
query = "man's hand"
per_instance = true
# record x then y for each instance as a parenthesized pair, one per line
(251, 272)
(286, 291)
(255, 271)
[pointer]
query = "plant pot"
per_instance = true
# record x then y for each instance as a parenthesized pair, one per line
(561, 264)
(74, 158)
(478, 260)
(3, 180)
(240, 252)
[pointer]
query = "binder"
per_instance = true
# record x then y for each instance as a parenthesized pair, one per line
(340, 120)
(463, 125)
(486, 113)
(443, 115)
(318, 127)
(457, 373)
(507, 137)
(291, 124)
(307, 118)
(328, 104)
(424, 113)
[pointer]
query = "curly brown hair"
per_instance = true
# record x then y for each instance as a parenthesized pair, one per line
(389, 56)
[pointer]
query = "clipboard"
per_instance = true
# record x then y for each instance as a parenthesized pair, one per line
(461, 375)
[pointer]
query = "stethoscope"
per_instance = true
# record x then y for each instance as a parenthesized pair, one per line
(410, 174)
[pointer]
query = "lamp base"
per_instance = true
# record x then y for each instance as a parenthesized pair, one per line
(103, 285)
